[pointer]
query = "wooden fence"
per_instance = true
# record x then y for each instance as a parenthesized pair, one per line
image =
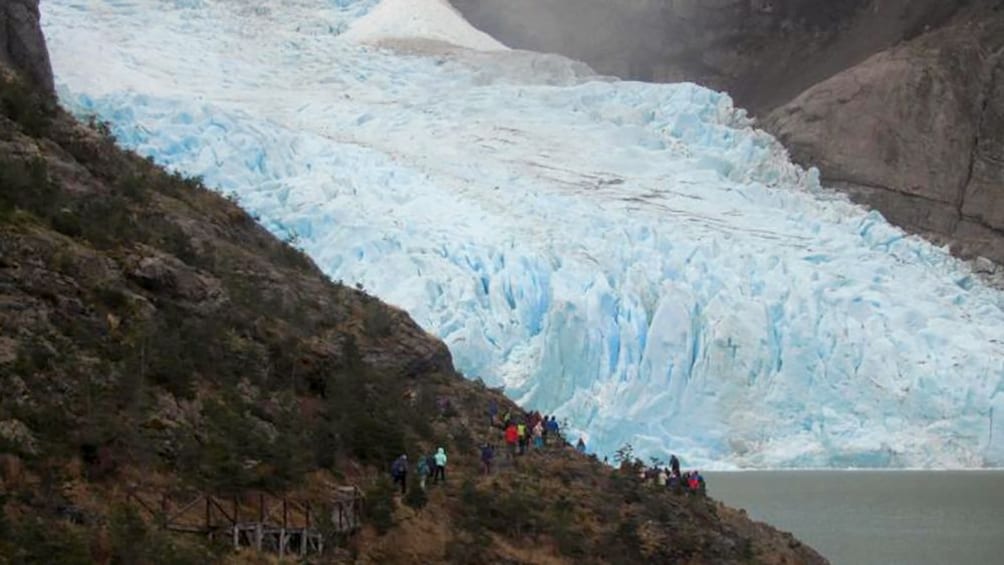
(259, 520)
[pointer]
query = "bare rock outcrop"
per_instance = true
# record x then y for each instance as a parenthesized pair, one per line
(916, 132)
(22, 44)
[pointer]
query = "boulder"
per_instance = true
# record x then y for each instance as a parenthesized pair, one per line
(165, 274)
(22, 44)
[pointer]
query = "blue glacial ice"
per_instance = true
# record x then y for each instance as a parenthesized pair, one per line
(636, 258)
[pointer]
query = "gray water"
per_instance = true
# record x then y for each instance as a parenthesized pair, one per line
(880, 518)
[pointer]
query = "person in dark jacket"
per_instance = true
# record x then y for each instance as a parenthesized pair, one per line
(674, 465)
(399, 472)
(430, 462)
(423, 471)
(493, 411)
(487, 456)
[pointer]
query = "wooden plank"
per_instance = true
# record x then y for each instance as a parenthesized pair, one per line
(187, 529)
(221, 510)
(184, 509)
(153, 513)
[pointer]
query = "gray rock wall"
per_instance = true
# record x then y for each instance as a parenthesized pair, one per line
(916, 131)
(22, 45)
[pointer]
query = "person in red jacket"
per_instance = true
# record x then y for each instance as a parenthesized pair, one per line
(511, 437)
(693, 481)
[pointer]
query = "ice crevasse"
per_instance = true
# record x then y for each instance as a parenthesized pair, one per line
(635, 258)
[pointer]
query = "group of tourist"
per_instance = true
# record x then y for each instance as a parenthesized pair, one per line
(434, 464)
(671, 478)
(533, 432)
(530, 432)
(520, 435)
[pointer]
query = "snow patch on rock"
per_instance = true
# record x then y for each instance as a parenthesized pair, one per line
(411, 20)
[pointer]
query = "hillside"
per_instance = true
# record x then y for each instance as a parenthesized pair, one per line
(152, 333)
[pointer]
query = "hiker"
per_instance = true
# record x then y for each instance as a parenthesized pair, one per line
(674, 464)
(674, 482)
(693, 482)
(661, 478)
(552, 427)
(440, 472)
(521, 431)
(493, 411)
(511, 437)
(702, 488)
(487, 455)
(399, 472)
(534, 419)
(423, 471)
(430, 462)
(581, 446)
(546, 424)
(538, 435)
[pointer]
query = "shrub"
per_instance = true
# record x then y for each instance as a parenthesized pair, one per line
(416, 498)
(25, 185)
(380, 505)
(464, 551)
(36, 541)
(21, 104)
(132, 542)
(377, 319)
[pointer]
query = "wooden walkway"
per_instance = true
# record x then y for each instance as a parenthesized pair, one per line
(258, 520)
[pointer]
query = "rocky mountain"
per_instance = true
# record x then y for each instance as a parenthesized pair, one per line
(22, 45)
(896, 101)
(915, 131)
(153, 335)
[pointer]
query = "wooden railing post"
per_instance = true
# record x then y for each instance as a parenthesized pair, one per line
(209, 517)
(306, 533)
(236, 524)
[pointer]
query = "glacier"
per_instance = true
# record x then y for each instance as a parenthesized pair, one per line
(636, 258)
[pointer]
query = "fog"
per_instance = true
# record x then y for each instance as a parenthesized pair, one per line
(763, 52)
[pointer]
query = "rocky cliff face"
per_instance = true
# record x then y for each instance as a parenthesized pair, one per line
(915, 131)
(22, 46)
(897, 101)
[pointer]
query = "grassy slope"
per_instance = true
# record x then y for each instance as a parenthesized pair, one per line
(152, 333)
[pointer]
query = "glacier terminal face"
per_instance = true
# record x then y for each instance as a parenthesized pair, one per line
(636, 258)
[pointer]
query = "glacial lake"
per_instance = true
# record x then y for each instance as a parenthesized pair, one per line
(878, 517)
